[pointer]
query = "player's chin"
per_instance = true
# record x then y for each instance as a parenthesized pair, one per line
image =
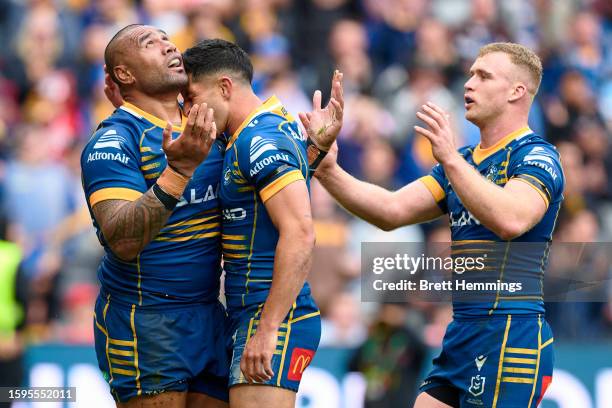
(177, 78)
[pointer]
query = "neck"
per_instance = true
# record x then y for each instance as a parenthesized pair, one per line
(248, 102)
(163, 106)
(493, 132)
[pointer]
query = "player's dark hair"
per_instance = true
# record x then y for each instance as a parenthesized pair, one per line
(112, 51)
(216, 56)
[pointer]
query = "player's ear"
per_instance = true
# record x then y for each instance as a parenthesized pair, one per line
(123, 75)
(518, 91)
(226, 86)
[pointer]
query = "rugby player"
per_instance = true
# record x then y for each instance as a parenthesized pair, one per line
(508, 188)
(267, 224)
(151, 179)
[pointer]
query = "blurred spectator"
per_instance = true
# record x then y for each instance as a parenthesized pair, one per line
(12, 306)
(343, 326)
(390, 359)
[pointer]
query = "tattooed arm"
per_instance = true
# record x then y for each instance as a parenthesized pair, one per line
(128, 226)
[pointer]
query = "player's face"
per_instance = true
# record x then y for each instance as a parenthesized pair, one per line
(155, 62)
(488, 88)
(206, 89)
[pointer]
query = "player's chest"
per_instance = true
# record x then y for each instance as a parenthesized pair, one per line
(234, 186)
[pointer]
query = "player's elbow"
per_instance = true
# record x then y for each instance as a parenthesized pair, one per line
(302, 234)
(391, 215)
(126, 253)
(511, 229)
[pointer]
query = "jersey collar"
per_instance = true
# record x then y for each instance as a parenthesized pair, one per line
(139, 113)
(272, 104)
(480, 154)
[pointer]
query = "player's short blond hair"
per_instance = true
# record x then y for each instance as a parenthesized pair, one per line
(520, 56)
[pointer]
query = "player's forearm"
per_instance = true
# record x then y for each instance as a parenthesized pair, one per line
(494, 207)
(369, 202)
(292, 262)
(128, 226)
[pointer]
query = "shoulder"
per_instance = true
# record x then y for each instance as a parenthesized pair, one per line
(534, 145)
(117, 131)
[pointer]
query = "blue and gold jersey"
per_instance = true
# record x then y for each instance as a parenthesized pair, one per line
(523, 156)
(182, 264)
(264, 155)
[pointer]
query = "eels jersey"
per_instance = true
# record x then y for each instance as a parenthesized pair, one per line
(264, 155)
(523, 156)
(182, 264)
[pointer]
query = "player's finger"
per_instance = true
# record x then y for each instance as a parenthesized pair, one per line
(338, 112)
(167, 136)
(267, 366)
(337, 86)
(435, 115)
(444, 117)
(424, 132)
(433, 124)
(304, 120)
(316, 100)
(191, 119)
(438, 109)
(199, 128)
(208, 122)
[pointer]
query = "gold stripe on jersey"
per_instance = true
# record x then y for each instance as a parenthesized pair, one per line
(133, 109)
(189, 237)
(193, 221)
(150, 166)
(152, 175)
(272, 104)
(233, 237)
(113, 193)
(479, 154)
(534, 186)
(434, 187)
(277, 185)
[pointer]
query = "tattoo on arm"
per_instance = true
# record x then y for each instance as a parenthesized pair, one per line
(128, 226)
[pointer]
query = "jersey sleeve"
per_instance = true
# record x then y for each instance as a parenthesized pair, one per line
(435, 182)
(540, 167)
(110, 167)
(274, 161)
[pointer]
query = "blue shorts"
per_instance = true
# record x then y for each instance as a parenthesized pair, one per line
(298, 340)
(145, 352)
(495, 362)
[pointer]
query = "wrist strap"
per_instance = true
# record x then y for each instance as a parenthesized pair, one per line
(172, 182)
(315, 156)
(166, 199)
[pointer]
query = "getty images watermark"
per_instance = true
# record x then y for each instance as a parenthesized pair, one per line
(477, 271)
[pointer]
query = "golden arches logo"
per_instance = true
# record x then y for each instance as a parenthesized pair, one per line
(301, 363)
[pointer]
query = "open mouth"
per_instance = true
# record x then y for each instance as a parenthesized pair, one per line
(468, 101)
(175, 63)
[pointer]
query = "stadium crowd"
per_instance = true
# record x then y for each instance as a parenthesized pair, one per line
(395, 55)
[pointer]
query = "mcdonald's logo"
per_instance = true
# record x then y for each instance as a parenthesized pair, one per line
(300, 359)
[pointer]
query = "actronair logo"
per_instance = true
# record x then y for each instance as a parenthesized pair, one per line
(259, 146)
(109, 139)
(259, 166)
(120, 157)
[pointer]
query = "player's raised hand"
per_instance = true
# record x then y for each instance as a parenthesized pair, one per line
(256, 361)
(323, 124)
(111, 90)
(186, 152)
(439, 133)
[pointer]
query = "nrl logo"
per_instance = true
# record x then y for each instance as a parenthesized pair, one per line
(477, 385)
